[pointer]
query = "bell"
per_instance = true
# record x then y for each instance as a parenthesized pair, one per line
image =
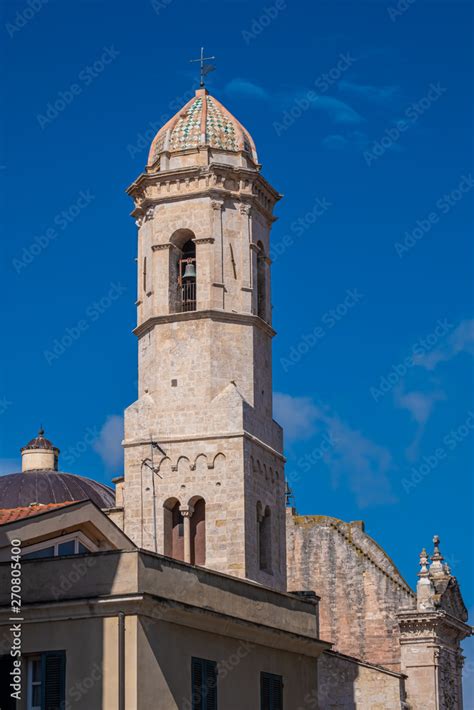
(190, 271)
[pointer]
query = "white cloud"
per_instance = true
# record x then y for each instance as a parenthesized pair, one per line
(352, 459)
(242, 87)
(338, 111)
(297, 415)
(380, 95)
(353, 139)
(109, 442)
(419, 404)
(461, 340)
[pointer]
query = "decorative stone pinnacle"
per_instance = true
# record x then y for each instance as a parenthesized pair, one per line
(436, 553)
(437, 567)
(424, 571)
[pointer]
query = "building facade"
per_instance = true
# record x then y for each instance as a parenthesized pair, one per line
(192, 586)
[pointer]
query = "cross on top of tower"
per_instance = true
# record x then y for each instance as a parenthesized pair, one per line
(205, 68)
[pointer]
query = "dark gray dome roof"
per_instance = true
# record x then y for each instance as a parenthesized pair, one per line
(22, 489)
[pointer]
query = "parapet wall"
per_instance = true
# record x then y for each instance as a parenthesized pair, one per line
(360, 588)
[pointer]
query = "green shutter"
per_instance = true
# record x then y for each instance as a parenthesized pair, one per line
(271, 691)
(53, 667)
(203, 684)
(210, 696)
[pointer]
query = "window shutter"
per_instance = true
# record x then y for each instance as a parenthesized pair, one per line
(54, 680)
(210, 698)
(271, 691)
(196, 683)
(204, 684)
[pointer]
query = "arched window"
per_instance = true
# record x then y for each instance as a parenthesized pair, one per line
(173, 529)
(264, 538)
(187, 277)
(198, 533)
(182, 272)
(261, 282)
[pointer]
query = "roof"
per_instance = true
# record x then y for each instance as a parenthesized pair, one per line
(10, 515)
(203, 121)
(19, 490)
(39, 442)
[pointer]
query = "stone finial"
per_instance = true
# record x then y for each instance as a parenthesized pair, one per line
(437, 568)
(424, 587)
(424, 571)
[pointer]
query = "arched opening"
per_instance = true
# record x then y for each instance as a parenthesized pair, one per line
(261, 282)
(183, 272)
(173, 529)
(198, 533)
(264, 538)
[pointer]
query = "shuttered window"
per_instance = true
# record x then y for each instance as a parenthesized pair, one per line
(54, 680)
(271, 691)
(203, 684)
(47, 681)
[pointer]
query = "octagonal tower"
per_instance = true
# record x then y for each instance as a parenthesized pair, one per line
(204, 479)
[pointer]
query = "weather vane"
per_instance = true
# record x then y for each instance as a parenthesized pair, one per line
(205, 68)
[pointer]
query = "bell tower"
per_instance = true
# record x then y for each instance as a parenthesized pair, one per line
(204, 479)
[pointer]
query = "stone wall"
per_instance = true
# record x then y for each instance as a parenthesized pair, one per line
(360, 588)
(345, 683)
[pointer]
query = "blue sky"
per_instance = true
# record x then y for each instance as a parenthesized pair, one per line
(362, 117)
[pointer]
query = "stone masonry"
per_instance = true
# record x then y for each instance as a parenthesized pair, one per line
(202, 426)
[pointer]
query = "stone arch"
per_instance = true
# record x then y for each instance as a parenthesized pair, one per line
(179, 461)
(163, 465)
(200, 462)
(173, 529)
(182, 284)
(198, 530)
(219, 457)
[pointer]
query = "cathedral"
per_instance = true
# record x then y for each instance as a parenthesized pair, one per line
(193, 585)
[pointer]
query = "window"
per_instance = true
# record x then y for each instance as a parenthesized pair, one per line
(46, 681)
(74, 544)
(173, 529)
(203, 684)
(187, 277)
(261, 282)
(271, 691)
(144, 274)
(34, 683)
(264, 538)
(198, 533)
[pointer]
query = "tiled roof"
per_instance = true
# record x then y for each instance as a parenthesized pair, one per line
(39, 442)
(202, 121)
(9, 515)
(18, 490)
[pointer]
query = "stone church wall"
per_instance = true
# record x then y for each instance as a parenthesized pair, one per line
(360, 588)
(345, 683)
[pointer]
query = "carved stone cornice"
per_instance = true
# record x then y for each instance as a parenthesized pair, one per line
(222, 180)
(204, 240)
(161, 247)
(216, 315)
(437, 624)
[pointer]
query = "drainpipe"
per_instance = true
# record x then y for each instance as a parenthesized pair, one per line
(121, 661)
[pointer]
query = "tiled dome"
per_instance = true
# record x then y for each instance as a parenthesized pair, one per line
(45, 487)
(39, 442)
(203, 121)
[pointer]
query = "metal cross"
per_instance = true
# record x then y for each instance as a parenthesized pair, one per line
(205, 68)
